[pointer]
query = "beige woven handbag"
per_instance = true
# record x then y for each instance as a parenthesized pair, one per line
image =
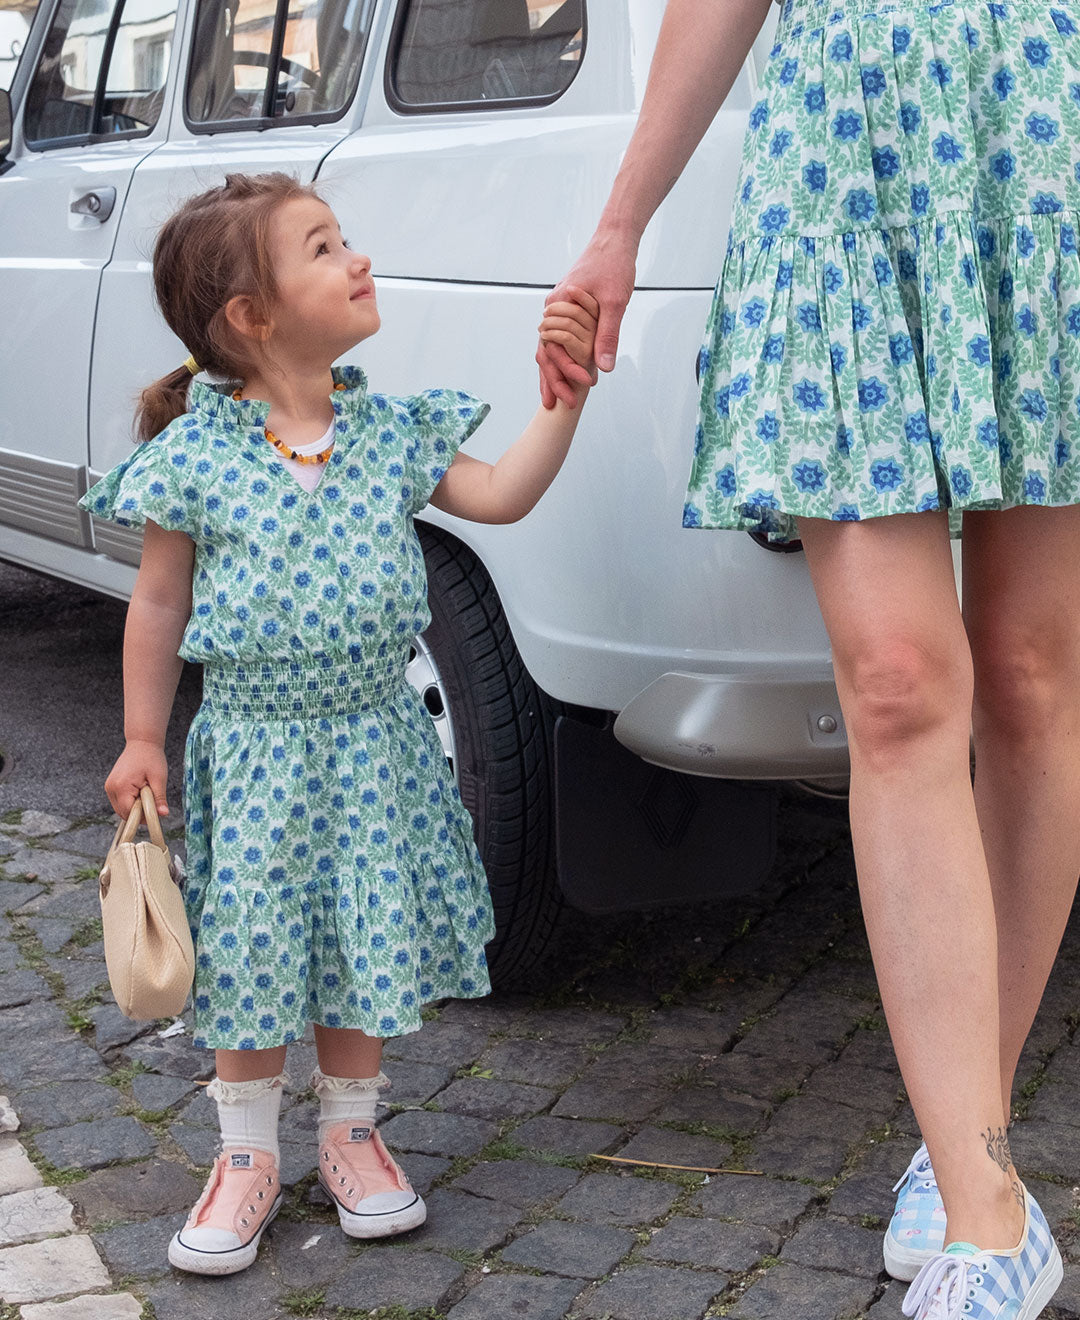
(148, 949)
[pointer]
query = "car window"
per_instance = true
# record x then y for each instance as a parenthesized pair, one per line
(15, 19)
(275, 60)
(452, 53)
(101, 71)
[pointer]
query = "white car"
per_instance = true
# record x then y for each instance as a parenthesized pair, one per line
(608, 685)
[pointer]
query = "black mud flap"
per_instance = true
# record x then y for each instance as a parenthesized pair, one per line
(633, 835)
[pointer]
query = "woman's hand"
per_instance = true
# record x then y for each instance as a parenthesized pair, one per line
(604, 275)
(139, 763)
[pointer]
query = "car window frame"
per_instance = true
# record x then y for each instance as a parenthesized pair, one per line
(263, 123)
(394, 101)
(26, 143)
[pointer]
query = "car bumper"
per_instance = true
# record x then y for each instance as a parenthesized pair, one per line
(738, 726)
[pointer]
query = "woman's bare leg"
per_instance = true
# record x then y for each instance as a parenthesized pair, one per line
(1022, 611)
(904, 675)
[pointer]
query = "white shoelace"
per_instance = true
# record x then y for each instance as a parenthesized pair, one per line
(943, 1282)
(920, 1166)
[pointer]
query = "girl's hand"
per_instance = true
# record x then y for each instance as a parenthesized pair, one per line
(572, 325)
(139, 763)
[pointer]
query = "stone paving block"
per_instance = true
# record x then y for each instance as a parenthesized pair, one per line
(298, 1159)
(33, 824)
(789, 1293)
(650, 1292)
(90, 952)
(112, 1028)
(79, 976)
(706, 1030)
(459, 1222)
(174, 1057)
(23, 1060)
(34, 1213)
(1066, 1301)
(491, 1099)
(1042, 1147)
(805, 1115)
(9, 953)
(795, 1157)
(765, 1201)
(864, 1194)
(666, 1146)
(454, 1045)
(138, 1251)
(567, 1136)
(423, 1169)
(711, 1243)
(762, 1076)
(155, 1093)
(77, 902)
(411, 1280)
(438, 1134)
(93, 1306)
(49, 865)
(872, 1049)
(300, 1123)
(20, 986)
(576, 1251)
(17, 1174)
(626, 1063)
(517, 1182)
(52, 932)
(93, 840)
(201, 1145)
(518, 1295)
(871, 1089)
(135, 1191)
(17, 895)
(536, 1062)
(600, 1099)
(572, 1026)
(605, 1198)
(829, 1244)
(39, 1271)
(414, 1083)
(252, 1292)
(308, 1255)
(500, 1011)
(95, 1144)
(708, 1104)
(200, 1110)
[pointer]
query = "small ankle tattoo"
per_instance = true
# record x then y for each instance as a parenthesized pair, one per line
(997, 1147)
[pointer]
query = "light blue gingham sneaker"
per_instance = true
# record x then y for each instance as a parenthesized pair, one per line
(917, 1229)
(964, 1283)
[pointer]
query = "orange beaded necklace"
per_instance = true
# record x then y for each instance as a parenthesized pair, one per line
(283, 448)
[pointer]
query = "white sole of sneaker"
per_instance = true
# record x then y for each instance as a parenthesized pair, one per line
(382, 1225)
(220, 1262)
(903, 1263)
(1043, 1288)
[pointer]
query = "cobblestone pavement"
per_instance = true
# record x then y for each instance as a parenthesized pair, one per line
(740, 1035)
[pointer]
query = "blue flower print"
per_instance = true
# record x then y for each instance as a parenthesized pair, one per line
(808, 395)
(774, 219)
(979, 350)
(1037, 52)
(837, 358)
(940, 72)
(917, 428)
(1025, 241)
(873, 81)
(845, 437)
(920, 199)
(753, 312)
(885, 161)
(784, 272)
(910, 117)
(814, 99)
(928, 504)
(886, 474)
(1033, 405)
(1072, 320)
(773, 349)
(960, 481)
(1004, 83)
(840, 49)
(691, 516)
(971, 37)
(747, 190)
(862, 317)
(1046, 203)
(901, 349)
(1063, 22)
(987, 433)
(809, 475)
(947, 150)
(1062, 452)
(987, 242)
(872, 394)
(860, 204)
(832, 279)
(788, 71)
(768, 428)
(883, 271)
(809, 317)
(1003, 165)
(816, 176)
(1027, 322)
(847, 125)
(1005, 286)
(901, 39)
(1034, 488)
(725, 481)
(1067, 240)
(846, 513)
(781, 141)
(759, 116)
(1041, 128)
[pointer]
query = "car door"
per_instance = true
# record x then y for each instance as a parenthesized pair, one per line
(84, 118)
(262, 85)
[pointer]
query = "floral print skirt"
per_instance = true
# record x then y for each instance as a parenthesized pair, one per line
(332, 874)
(896, 327)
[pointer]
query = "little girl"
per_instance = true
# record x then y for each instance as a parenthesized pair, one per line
(332, 874)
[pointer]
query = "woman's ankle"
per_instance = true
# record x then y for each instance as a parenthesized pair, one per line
(990, 1218)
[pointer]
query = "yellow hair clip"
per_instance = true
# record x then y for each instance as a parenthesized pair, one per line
(192, 365)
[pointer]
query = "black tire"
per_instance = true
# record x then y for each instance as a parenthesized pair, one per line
(502, 732)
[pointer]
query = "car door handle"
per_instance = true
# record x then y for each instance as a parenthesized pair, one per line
(97, 204)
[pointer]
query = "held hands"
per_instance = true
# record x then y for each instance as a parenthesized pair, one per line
(571, 324)
(139, 763)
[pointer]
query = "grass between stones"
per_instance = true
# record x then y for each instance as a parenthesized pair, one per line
(88, 932)
(50, 1174)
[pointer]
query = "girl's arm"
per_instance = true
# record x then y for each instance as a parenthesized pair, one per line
(505, 491)
(157, 616)
(699, 52)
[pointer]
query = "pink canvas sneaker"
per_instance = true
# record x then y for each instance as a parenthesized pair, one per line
(241, 1196)
(374, 1197)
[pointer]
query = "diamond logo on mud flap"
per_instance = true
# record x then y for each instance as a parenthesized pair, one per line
(359, 1134)
(240, 1161)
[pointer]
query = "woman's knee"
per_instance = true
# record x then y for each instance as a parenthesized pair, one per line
(898, 691)
(1025, 683)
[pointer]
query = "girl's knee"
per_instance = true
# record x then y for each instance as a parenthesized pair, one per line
(1025, 684)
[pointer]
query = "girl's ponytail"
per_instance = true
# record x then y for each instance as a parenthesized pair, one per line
(161, 403)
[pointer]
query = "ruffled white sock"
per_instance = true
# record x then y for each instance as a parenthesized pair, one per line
(343, 1098)
(248, 1112)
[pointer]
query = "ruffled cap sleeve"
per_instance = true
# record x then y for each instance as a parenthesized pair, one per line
(153, 483)
(440, 421)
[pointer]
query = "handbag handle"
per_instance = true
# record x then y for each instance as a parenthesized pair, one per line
(144, 808)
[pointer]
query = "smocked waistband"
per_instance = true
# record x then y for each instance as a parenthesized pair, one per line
(304, 689)
(812, 15)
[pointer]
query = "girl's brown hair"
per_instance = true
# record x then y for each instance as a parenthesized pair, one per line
(214, 248)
